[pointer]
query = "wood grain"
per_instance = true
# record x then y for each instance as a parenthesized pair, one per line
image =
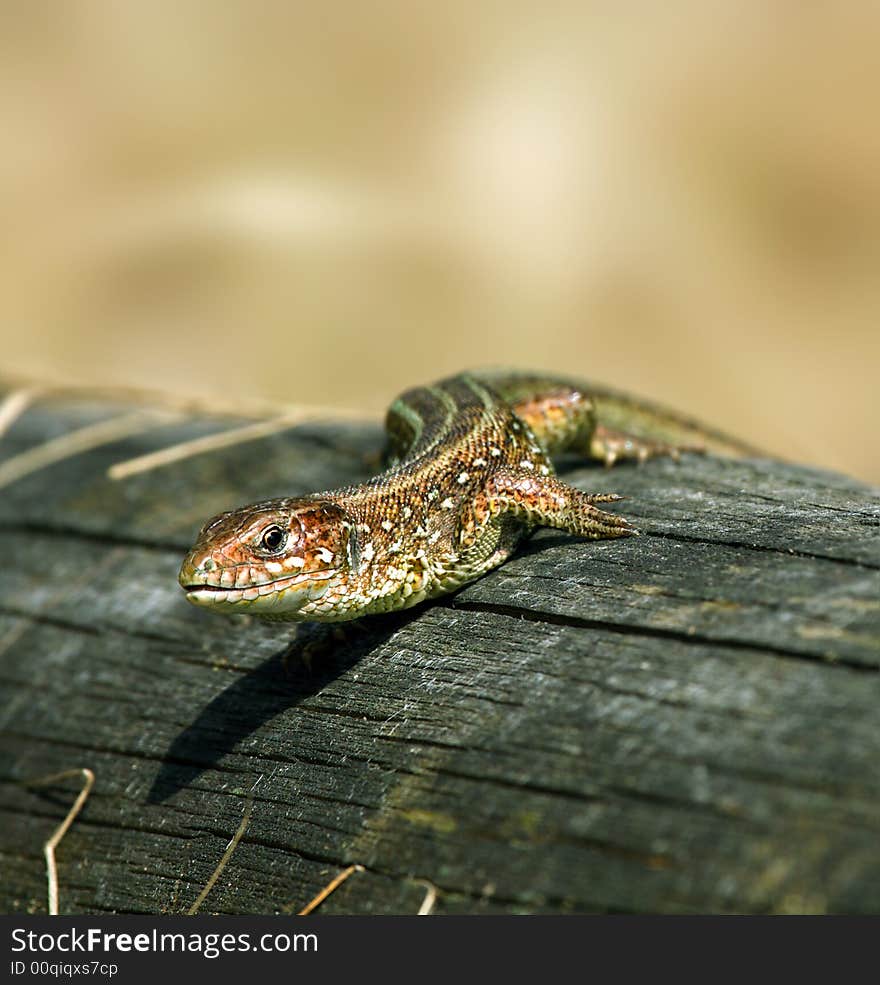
(681, 722)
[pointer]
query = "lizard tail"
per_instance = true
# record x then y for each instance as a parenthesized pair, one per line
(574, 415)
(656, 423)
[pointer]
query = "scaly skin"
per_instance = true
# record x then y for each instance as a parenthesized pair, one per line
(471, 474)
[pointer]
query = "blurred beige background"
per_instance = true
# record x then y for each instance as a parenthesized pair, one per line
(327, 203)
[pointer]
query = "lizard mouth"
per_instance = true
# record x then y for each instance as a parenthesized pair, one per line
(221, 593)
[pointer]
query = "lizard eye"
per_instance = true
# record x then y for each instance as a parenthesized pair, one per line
(273, 539)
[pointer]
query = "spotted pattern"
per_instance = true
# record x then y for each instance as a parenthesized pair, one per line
(469, 474)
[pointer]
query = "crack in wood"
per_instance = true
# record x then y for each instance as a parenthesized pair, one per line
(655, 632)
(763, 548)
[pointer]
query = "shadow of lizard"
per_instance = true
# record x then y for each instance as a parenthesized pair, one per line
(283, 681)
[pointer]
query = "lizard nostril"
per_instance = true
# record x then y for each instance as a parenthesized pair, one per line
(208, 564)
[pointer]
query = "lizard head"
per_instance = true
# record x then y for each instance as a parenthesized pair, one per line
(281, 559)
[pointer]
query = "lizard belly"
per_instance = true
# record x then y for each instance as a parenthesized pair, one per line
(496, 542)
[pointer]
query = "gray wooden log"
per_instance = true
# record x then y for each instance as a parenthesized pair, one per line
(685, 721)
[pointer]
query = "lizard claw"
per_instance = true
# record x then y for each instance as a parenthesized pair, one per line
(611, 445)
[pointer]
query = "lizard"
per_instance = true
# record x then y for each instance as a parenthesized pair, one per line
(469, 473)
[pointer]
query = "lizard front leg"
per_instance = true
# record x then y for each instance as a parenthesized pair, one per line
(539, 501)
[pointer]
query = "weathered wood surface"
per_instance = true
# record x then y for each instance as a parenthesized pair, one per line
(685, 721)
